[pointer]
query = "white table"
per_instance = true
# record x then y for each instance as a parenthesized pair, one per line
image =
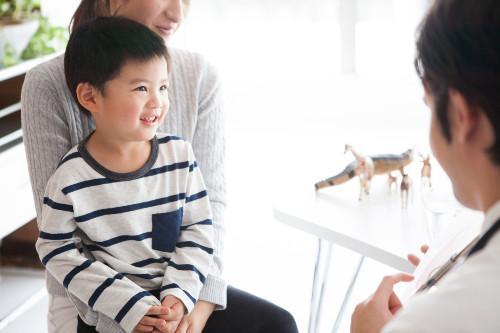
(377, 228)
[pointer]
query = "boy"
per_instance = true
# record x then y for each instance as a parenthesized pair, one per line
(458, 60)
(131, 200)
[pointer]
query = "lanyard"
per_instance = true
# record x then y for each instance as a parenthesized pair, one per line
(481, 243)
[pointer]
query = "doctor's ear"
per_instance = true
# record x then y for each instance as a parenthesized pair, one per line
(87, 96)
(464, 116)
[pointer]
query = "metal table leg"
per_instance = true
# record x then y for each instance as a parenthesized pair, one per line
(347, 295)
(321, 270)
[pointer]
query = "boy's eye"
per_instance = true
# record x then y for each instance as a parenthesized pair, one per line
(164, 87)
(141, 88)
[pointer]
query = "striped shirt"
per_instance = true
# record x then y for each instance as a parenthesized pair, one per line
(113, 239)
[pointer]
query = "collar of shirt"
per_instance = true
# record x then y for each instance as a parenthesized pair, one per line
(492, 215)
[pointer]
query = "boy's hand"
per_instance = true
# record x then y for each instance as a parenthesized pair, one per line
(151, 322)
(171, 301)
(176, 312)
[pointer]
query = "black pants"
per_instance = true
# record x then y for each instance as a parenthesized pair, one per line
(245, 313)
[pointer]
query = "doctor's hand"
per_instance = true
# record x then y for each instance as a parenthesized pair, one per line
(373, 314)
(415, 260)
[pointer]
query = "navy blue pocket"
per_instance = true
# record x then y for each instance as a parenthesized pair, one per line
(166, 229)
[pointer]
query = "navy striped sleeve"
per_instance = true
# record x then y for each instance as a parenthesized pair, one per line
(196, 196)
(126, 308)
(74, 272)
(150, 261)
(102, 287)
(187, 267)
(176, 286)
(204, 222)
(56, 205)
(62, 236)
(57, 251)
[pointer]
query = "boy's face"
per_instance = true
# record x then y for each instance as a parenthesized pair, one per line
(135, 102)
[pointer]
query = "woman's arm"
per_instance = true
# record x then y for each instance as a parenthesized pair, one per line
(46, 134)
(209, 148)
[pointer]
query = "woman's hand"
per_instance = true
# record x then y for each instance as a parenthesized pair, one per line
(415, 260)
(197, 319)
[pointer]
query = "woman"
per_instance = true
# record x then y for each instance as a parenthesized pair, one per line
(52, 124)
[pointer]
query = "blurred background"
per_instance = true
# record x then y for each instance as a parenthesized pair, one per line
(300, 79)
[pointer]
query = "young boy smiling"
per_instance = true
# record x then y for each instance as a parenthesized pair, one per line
(126, 222)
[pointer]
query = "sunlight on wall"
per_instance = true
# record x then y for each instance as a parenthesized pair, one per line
(59, 12)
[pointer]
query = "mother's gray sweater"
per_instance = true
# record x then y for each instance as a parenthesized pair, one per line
(52, 124)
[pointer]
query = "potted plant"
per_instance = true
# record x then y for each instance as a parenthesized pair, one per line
(18, 23)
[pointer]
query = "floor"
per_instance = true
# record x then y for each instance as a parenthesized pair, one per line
(288, 114)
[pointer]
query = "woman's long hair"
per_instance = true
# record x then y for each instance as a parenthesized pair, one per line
(89, 10)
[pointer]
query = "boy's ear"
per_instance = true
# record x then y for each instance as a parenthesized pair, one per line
(86, 94)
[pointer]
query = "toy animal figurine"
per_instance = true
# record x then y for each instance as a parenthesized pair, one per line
(426, 171)
(364, 169)
(392, 180)
(405, 190)
(382, 164)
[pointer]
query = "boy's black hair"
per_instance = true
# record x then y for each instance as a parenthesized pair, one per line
(98, 49)
(458, 48)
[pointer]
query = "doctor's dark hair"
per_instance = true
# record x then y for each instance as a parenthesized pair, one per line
(98, 49)
(458, 47)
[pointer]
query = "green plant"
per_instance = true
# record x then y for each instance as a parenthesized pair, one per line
(9, 56)
(19, 10)
(47, 39)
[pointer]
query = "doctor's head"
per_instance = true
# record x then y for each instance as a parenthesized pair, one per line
(458, 61)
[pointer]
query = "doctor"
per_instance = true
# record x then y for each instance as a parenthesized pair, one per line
(458, 60)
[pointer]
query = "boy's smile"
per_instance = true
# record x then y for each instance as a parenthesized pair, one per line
(150, 121)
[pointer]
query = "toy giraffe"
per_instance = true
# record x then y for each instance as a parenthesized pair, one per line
(365, 170)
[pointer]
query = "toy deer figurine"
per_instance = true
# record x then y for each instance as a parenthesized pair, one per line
(405, 190)
(392, 180)
(365, 170)
(426, 171)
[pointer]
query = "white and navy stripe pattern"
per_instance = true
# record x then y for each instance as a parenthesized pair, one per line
(147, 231)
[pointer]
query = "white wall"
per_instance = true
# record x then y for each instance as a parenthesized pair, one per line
(59, 12)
